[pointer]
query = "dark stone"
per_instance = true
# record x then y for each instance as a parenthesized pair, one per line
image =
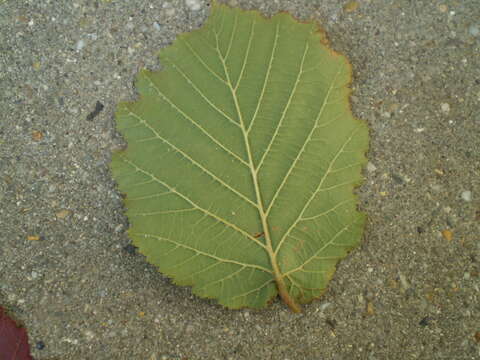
(130, 249)
(98, 108)
(425, 321)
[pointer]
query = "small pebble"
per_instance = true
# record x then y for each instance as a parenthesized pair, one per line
(445, 107)
(477, 336)
(404, 282)
(90, 335)
(37, 135)
(80, 45)
(370, 309)
(193, 5)
(190, 329)
(324, 306)
(62, 214)
(436, 187)
(398, 178)
(443, 8)
(371, 167)
(474, 30)
(130, 249)
(467, 195)
(447, 234)
(424, 321)
(169, 12)
(157, 26)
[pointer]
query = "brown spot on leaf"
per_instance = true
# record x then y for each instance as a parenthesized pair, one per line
(299, 245)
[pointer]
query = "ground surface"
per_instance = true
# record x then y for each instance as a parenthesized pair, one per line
(409, 292)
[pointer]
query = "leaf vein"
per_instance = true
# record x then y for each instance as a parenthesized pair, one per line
(172, 104)
(332, 209)
(205, 211)
(179, 211)
(267, 76)
(285, 110)
(203, 253)
(328, 243)
(193, 161)
(304, 146)
(327, 172)
(247, 53)
(195, 87)
(199, 58)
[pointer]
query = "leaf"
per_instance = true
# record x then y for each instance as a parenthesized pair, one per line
(242, 159)
(13, 339)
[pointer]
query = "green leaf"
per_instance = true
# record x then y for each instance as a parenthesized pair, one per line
(242, 159)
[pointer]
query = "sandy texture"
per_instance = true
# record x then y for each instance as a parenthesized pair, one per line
(411, 291)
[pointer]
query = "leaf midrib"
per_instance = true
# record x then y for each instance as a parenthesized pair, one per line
(279, 278)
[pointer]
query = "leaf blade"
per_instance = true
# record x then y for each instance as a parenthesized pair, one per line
(242, 159)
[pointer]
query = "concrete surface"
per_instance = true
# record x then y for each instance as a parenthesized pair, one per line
(411, 291)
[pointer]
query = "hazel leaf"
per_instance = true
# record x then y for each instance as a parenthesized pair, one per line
(242, 159)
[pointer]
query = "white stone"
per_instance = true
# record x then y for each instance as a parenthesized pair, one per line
(371, 167)
(324, 306)
(80, 45)
(193, 5)
(467, 195)
(404, 282)
(445, 108)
